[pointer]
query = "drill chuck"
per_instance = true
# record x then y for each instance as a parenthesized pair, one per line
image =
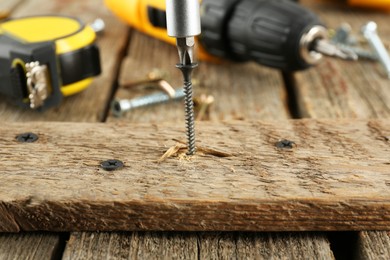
(183, 18)
(268, 32)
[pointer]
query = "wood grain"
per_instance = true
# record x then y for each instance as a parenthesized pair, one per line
(91, 101)
(214, 245)
(94, 99)
(29, 246)
(374, 245)
(316, 185)
(348, 89)
(337, 88)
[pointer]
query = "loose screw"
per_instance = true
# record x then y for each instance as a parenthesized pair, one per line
(285, 144)
(111, 165)
(98, 26)
(370, 33)
(119, 107)
(27, 138)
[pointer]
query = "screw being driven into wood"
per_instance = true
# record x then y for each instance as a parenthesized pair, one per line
(183, 23)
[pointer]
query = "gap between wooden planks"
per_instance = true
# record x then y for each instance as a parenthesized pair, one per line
(336, 177)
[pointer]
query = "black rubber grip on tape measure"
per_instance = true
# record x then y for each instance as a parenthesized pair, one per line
(80, 64)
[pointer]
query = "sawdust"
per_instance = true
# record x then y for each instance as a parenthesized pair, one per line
(179, 150)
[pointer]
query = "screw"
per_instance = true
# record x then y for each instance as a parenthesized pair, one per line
(285, 144)
(369, 31)
(186, 69)
(111, 165)
(119, 107)
(361, 53)
(98, 26)
(27, 138)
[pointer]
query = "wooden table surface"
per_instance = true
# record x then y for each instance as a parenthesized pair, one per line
(246, 92)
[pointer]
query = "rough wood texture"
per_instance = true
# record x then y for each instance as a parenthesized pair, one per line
(132, 246)
(93, 100)
(316, 185)
(88, 101)
(241, 91)
(153, 245)
(348, 89)
(337, 88)
(29, 246)
(374, 245)
(264, 246)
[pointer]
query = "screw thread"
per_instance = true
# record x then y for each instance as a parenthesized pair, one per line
(190, 118)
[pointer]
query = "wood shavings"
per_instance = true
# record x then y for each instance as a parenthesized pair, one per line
(173, 151)
(180, 149)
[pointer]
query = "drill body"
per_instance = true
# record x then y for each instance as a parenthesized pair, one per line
(274, 33)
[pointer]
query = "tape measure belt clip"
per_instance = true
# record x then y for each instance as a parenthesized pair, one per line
(80, 64)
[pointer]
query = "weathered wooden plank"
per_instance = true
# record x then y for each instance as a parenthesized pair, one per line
(316, 185)
(135, 245)
(347, 89)
(29, 246)
(338, 88)
(241, 91)
(264, 246)
(93, 100)
(91, 104)
(89, 245)
(374, 245)
(152, 245)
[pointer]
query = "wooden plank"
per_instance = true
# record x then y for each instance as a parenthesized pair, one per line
(241, 91)
(93, 100)
(338, 88)
(92, 105)
(374, 245)
(316, 185)
(29, 246)
(264, 246)
(346, 89)
(152, 245)
(135, 245)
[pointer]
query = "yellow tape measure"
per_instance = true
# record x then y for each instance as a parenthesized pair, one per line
(48, 56)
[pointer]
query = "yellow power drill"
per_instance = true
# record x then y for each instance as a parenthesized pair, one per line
(276, 33)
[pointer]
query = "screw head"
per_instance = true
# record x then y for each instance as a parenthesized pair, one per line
(111, 165)
(27, 137)
(370, 27)
(285, 144)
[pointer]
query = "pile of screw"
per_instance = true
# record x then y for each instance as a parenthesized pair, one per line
(344, 40)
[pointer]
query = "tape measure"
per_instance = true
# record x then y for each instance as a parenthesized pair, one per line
(43, 58)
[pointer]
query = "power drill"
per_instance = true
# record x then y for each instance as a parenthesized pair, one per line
(275, 33)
